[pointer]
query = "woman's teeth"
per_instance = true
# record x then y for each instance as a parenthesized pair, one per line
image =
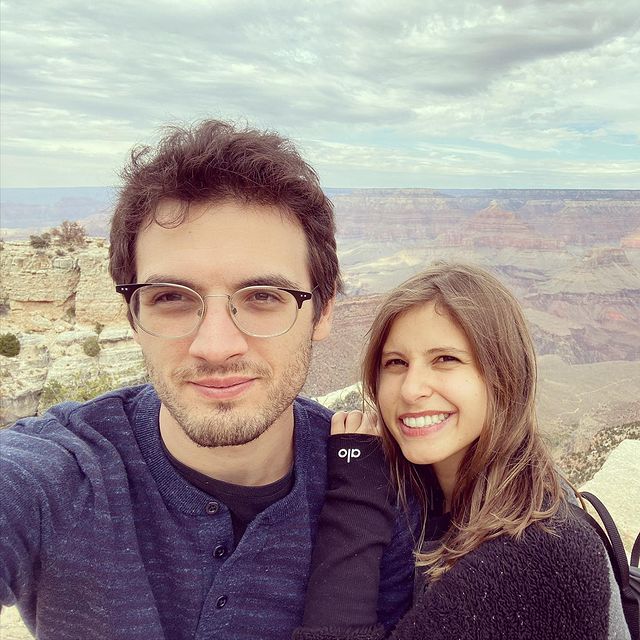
(425, 421)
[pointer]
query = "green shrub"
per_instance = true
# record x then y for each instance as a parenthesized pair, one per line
(70, 234)
(9, 345)
(40, 242)
(78, 388)
(71, 314)
(91, 346)
(98, 327)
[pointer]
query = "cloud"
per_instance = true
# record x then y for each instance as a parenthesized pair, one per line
(522, 81)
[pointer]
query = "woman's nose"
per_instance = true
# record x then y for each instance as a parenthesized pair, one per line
(416, 384)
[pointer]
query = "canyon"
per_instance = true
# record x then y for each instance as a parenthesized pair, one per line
(571, 257)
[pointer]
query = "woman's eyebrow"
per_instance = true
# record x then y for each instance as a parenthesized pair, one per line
(445, 349)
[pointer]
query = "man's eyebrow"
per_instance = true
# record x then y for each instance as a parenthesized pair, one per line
(273, 280)
(269, 280)
(166, 279)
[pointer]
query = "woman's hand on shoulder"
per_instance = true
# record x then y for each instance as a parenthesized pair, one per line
(366, 423)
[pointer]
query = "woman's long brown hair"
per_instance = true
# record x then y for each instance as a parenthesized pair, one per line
(507, 480)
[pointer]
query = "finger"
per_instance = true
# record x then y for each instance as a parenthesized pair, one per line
(337, 422)
(370, 424)
(353, 422)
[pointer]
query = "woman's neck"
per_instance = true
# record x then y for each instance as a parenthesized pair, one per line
(447, 481)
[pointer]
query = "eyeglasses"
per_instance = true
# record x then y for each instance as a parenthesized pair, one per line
(173, 311)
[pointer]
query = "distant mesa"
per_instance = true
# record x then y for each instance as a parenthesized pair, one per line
(600, 271)
(527, 219)
(631, 240)
(31, 211)
(608, 257)
(496, 227)
(571, 257)
(519, 218)
(395, 215)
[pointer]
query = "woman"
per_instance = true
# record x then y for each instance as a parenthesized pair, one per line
(451, 369)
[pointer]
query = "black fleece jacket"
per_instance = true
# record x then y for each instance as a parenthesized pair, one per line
(543, 586)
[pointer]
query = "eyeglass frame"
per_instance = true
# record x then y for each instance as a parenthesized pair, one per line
(127, 291)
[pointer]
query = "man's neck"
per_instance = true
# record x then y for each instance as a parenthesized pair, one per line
(264, 460)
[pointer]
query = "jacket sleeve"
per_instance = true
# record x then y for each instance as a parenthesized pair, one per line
(356, 525)
(36, 508)
(20, 522)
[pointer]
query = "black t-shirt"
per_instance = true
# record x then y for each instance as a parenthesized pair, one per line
(244, 503)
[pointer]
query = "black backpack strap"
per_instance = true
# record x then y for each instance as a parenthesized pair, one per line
(635, 552)
(620, 563)
(618, 557)
(597, 527)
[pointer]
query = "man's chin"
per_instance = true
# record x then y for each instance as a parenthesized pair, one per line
(209, 442)
(231, 434)
(219, 424)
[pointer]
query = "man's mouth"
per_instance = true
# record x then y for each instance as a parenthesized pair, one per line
(222, 389)
(222, 383)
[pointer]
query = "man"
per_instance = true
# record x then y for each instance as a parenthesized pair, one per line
(188, 508)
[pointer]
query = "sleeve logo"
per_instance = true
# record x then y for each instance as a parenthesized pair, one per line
(349, 454)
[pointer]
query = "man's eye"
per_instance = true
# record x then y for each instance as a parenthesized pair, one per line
(264, 296)
(269, 297)
(168, 297)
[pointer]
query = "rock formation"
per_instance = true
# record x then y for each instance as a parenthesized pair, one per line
(54, 303)
(622, 468)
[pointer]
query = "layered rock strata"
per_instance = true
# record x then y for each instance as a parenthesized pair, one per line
(53, 303)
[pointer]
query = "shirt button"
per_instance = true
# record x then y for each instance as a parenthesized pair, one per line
(220, 551)
(221, 601)
(212, 507)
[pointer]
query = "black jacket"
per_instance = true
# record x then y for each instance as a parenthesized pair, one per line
(544, 585)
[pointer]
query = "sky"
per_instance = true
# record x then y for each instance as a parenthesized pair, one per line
(402, 93)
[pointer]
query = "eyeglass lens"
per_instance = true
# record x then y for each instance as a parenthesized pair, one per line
(176, 311)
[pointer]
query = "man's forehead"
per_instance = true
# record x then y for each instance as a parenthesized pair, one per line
(171, 212)
(234, 242)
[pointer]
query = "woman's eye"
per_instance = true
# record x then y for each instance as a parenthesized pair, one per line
(394, 362)
(447, 359)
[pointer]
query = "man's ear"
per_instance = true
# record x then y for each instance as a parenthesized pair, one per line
(323, 326)
(134, 334)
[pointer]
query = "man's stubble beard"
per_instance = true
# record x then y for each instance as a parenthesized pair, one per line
(222, 425)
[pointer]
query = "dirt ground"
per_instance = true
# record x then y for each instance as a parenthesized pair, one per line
(11, 627)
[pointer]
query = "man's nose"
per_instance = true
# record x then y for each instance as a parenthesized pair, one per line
(218, 339)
